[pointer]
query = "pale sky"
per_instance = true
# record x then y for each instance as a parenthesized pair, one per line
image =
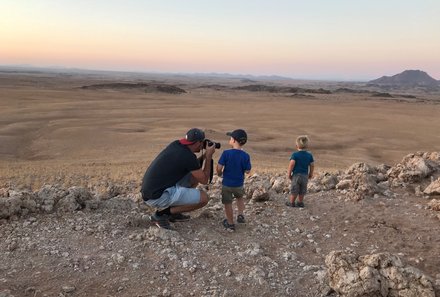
(309, 39)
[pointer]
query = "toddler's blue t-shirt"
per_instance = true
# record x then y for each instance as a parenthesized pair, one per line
(235, 163)
(302, 161)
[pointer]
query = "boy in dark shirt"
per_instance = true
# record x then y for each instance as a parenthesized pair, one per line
(301, 168)
(232, 165)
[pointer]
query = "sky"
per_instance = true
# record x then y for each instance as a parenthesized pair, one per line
(307, 39)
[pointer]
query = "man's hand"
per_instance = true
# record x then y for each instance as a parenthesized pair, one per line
(210, 150)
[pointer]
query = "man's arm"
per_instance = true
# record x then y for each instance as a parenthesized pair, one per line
(202, 175)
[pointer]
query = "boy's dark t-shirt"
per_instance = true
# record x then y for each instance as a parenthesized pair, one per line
(235, 163)
(302, 161)
(169, 167)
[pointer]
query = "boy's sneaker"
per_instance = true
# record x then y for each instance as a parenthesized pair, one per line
(240, 219)
(290, 204)
(179, 217)
(228, 227)
(161, 221)
(300, 204)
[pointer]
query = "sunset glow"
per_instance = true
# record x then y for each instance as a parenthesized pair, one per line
(350, 40)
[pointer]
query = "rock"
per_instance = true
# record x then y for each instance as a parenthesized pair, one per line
(279, 185)
(359, 168)
(75, 199)
(433, 188)
(380, 274)
(414, 167)
(434, 204)
(260, 195)
(48, 196)
(68, 289)
(343, 184)
(329, 181)
(9, 207)
(4, 192)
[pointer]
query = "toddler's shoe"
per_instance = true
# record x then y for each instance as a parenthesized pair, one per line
(241, 219)
(228, 227)
(290, 204)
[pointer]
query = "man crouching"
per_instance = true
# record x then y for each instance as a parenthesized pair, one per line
(170, 180)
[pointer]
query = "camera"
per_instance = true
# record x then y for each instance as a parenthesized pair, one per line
(208, 142)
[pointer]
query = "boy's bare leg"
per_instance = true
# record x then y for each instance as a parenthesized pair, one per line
(229, 213)
(292, 198)
(300, 198)
(240, 205)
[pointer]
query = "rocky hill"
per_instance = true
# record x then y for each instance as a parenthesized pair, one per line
(408, 78)
(365, 231)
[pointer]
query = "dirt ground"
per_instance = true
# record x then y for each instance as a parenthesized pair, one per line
(52, 131)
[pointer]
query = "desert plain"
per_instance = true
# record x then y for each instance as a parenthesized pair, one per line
(50, 124)
(93, 129)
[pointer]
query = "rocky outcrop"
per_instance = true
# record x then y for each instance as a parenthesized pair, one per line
(147, 87)
(362, 180)
(48, 199)
(414, 167)
(419, 172)
(378, 275)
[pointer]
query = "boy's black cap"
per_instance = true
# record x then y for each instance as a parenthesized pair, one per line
(239, 135)
(193, 135)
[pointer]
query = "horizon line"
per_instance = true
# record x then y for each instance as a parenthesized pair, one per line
(238, 75)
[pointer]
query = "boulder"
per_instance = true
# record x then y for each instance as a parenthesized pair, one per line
(75, 199)
(380, 275)
(260, 195)
(48, 196)
(413, 168)
(433, 188)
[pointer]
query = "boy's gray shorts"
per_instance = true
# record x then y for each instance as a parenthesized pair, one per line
(299, 184)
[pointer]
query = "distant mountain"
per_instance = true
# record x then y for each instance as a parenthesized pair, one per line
(408, 78)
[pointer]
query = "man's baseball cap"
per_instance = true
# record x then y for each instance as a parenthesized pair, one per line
(192, 136)
(239, 135)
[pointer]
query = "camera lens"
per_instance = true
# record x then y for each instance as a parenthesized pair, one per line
(208, 142)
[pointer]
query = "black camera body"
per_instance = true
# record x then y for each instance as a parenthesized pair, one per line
(208, 142)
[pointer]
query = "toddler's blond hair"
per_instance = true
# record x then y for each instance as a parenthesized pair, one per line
(302, 141)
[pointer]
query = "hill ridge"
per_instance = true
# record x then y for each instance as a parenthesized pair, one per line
(407, 78)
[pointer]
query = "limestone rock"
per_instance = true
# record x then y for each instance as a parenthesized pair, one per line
(378, 275)
(75, 199)
(260, 195)
(433, 188)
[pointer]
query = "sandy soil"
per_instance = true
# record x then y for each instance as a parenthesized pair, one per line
(52, 131)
